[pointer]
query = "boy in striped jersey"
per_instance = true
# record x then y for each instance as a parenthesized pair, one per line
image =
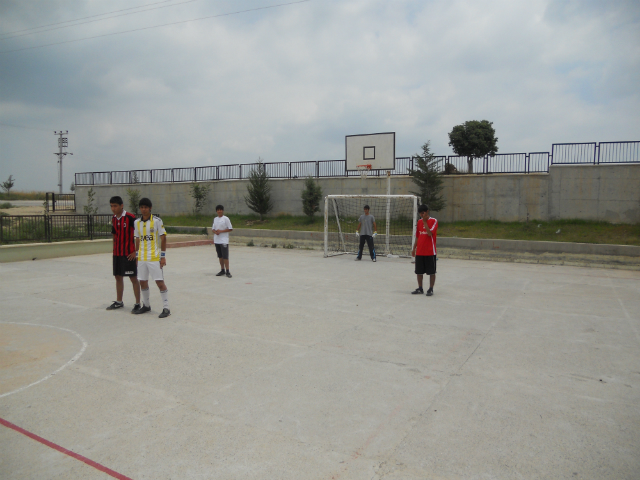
(124, 255)
(150, 260)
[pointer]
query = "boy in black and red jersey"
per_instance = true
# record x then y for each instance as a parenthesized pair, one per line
(424, 250)
(124, 252)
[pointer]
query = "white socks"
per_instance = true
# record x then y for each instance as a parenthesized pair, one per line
(165, 298)
(145, 297)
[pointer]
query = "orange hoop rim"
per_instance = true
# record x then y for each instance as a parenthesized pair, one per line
(366, 166)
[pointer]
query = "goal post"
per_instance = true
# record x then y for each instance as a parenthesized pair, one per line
(396, 217)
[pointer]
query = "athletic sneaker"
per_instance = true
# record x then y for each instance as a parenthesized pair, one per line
(228, 274)
(417, 291)
(358, 258)
(373, 259)
(136, 307)
(220, 273)
(115, 305)
(165, 313)
(143, 309)
(429, 292)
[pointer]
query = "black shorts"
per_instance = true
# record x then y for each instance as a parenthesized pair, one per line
(123, 267)
(222, 249)
(425, 264)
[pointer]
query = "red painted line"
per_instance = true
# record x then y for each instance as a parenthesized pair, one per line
(77, 456)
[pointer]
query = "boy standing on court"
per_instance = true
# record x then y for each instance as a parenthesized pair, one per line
(221, 228)
(366, 233)
(151, 261)
(424, 250)
(124, 253)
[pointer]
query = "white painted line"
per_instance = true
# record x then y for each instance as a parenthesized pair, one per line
(76, 356)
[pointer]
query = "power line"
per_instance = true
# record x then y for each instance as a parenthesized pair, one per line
(22, 126)
(83, 18)
(157, 26)
(96, 20)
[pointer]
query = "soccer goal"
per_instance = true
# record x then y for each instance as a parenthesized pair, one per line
(395, 217)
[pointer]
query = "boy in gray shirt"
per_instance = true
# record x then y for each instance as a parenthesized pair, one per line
(366, 233)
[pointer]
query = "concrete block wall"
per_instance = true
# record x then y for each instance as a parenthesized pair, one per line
(591, 192)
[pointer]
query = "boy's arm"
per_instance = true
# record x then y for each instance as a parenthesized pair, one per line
(163, 249)
(375, 227)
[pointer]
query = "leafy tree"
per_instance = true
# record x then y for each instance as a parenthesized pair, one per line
(428, 179)
(311, 197)
(134, 199)
(89, 208)
(73, 186)
(258, 196)
(134, 177)
(199, 193)
(474, 139)
(8, 185)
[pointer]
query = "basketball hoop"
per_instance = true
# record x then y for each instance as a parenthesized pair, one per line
(363, 169)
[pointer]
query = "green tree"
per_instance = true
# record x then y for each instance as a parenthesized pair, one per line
(8, 185)
(311, 197)
(428, 179)
(199, 193)
(258, 196)
(474, 139)
(134, 200)
(73, 186)
(89, 208)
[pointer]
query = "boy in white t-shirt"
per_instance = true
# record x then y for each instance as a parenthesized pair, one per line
(221, 228)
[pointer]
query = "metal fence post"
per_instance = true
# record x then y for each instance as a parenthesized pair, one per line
(89, 227)
(317, 169)
(1, 229)
(598, 148)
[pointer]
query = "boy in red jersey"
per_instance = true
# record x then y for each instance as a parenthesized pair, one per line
(124, 252)
(424, 250)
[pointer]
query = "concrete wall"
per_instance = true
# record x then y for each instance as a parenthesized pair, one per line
(590, 192)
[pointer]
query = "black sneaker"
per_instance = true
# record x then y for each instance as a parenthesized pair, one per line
(165, 313)
(358, 258)
(220, 273)
(136, 307)
(228, 274)
(417, 291)
(142, 309)
(429, 292)
(115, 305)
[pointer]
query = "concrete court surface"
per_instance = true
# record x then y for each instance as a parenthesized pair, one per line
(301, 367)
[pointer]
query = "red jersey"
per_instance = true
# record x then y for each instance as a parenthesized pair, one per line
(123, 229)
(426, 245)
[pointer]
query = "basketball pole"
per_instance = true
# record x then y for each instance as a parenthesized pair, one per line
(388, 216)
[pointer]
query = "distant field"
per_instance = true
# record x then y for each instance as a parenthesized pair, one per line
(19, 195)
(580, 231)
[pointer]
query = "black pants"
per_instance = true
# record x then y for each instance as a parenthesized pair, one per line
(369, 240)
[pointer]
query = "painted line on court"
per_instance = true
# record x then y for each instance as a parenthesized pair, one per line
(60, 449)
(76, 356)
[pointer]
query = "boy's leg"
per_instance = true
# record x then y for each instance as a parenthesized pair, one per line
(420, 281)
(119, 288)
(164, 294)
(372, 250)
(361, 248)
(136, 288)
(432, 281)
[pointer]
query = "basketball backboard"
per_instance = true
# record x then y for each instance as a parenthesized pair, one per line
(376, 149)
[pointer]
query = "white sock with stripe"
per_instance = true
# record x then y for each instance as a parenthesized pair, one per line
(165, 299)
(145, 297)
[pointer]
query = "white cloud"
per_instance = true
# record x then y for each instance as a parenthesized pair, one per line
(287, 84)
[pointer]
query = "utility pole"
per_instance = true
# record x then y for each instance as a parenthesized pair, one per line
(63, 142)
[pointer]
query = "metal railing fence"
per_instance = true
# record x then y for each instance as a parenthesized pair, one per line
(50, 228)
(58, 202)
(534, 162)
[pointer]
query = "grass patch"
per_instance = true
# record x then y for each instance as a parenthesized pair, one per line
(280, 222)
(579, 231)
(18, 195)
(6, 205)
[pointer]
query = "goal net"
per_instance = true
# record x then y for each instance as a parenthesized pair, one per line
(395, 217)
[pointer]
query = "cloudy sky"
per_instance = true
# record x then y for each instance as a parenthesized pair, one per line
(288, 83)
